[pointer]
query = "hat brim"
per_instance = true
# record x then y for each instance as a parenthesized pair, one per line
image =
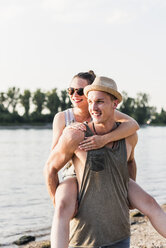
(104, 89)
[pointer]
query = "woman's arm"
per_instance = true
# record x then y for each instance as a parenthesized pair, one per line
(58, 126)
(128, 127)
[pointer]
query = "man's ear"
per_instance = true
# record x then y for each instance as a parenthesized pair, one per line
(115, 103)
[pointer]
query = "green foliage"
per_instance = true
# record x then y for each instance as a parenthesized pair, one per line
(128, 105)
(12, 97)
(10, 118)
(25, 102)
(2, 100)
(39, 99)
(3, 109)
(52, 101)
(65, 101)
(160, 118)
(142, 112)
(37, 117)
(138, 107)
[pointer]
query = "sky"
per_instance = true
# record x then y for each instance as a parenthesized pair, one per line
(44, 43)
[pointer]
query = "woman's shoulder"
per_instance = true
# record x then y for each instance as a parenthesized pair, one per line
(62, 116)
(59, 119)
(59, 115)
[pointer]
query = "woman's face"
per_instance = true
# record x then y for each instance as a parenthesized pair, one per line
(76, 99)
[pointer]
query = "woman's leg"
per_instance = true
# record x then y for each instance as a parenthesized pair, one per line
(147, 205)
(65, 207)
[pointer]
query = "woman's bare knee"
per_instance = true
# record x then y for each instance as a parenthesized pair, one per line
(65, 198)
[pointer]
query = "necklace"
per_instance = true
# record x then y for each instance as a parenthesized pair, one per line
(94, 129)
(116, 125)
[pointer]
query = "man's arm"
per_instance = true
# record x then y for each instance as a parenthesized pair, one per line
(60, 155)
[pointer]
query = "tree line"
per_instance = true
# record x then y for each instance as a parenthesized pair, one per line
(39, 107)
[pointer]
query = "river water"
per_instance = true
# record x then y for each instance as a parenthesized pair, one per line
(25, 208)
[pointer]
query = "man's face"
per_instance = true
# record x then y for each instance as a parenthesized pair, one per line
(101, 107)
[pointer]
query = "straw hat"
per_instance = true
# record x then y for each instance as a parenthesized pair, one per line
(104, 84)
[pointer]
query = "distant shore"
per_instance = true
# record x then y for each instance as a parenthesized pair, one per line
(143, 235)
(26, 126)
(49, 126)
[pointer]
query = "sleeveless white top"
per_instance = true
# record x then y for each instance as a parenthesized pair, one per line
(68, 170)
(69, 116)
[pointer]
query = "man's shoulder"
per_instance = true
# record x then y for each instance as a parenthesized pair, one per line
(132, 139)
(73, 135)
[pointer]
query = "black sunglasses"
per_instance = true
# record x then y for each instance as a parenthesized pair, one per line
(80, 91)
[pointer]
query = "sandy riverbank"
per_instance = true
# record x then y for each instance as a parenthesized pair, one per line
(143, 235)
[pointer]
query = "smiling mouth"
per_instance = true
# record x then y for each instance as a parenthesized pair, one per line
(96, 114)
(77, 100)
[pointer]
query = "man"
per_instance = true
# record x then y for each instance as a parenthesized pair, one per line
(102, 175)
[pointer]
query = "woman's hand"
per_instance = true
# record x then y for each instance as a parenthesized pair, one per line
(77, 126)
(92, 143)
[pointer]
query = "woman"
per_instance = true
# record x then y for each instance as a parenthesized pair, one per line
(66, 194)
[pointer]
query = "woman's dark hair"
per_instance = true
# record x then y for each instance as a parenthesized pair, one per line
(89, 76)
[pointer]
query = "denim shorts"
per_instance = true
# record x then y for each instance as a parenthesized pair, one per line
(125, 243)
(67, 172)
